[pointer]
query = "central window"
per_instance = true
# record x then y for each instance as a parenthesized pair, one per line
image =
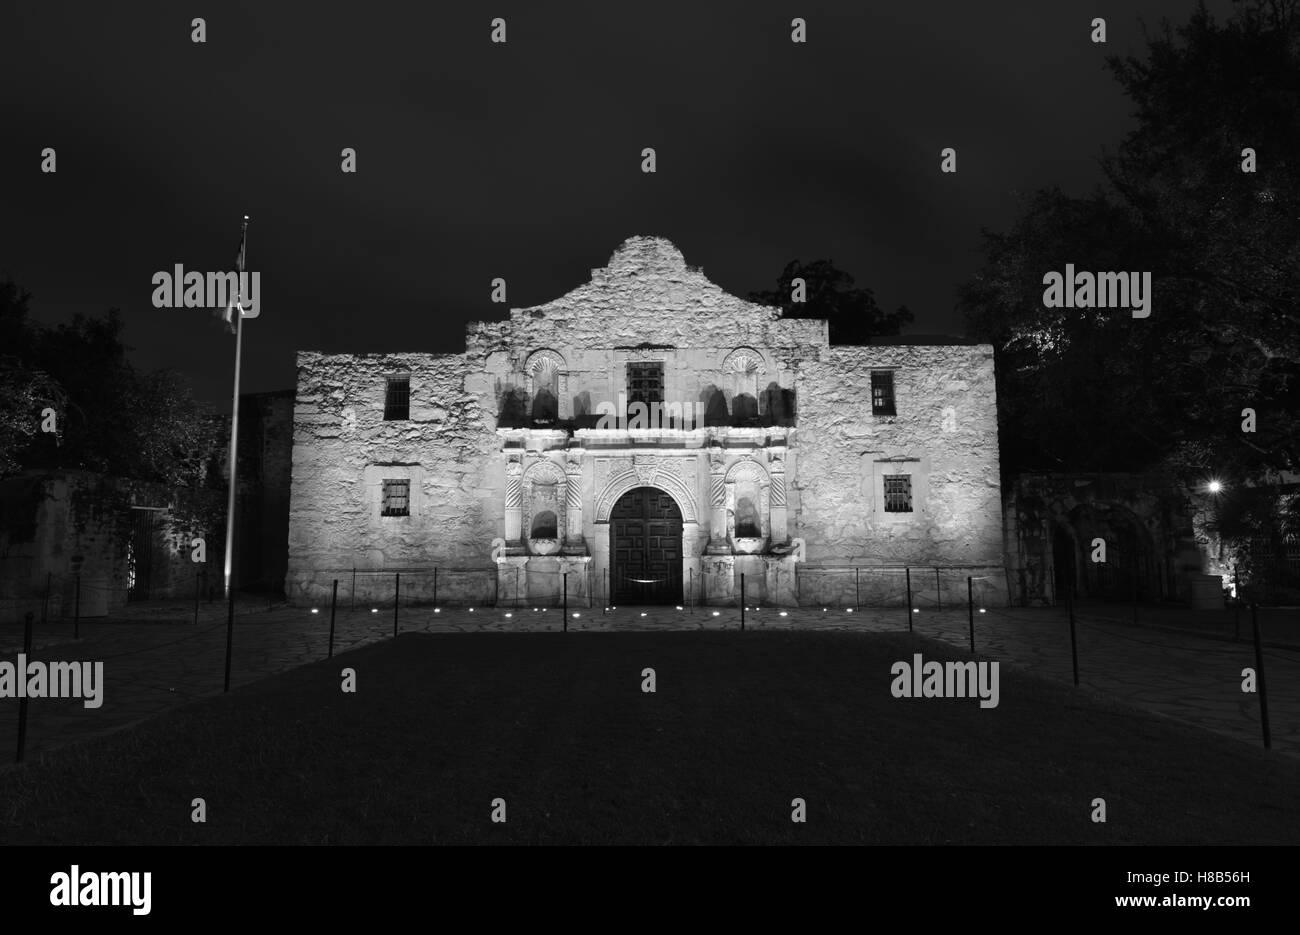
(898, 493)
(645, 383)
(397, 498)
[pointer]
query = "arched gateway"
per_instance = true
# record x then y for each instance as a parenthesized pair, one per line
(645, 547)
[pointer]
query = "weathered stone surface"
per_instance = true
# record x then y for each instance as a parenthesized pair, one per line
(504, 443)
(843, 450)
(1146, 522)
(77, 531)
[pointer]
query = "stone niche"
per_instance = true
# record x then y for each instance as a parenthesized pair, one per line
(546, 383)
(543, 507)
(747, 504)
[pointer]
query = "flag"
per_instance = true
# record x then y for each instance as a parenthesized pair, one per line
(236, 300)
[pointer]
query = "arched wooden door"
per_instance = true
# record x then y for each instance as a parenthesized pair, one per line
(645, 547)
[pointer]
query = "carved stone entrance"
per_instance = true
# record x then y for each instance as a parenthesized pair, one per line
(645, 547)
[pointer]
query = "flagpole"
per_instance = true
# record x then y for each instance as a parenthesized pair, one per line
(234, 416)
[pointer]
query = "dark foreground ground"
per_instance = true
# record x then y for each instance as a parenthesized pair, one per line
(558, 726)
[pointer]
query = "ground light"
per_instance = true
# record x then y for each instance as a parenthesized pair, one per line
(437, 610)
(679, 608)
(916, 610)
(1214, 486)
(717, 613)
(849, 611)
(983, 611)
(577, 614)
(315, 611)
(508, 614)
(643, 613)
(374, 610)
(784, 614)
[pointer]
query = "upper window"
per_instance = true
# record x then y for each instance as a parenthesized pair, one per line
(898, 493)
(882, 393)
(645, 383)
(397, 398)
(397, 498)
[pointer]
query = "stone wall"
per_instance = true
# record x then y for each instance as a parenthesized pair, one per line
(343, 450)
(944, 436)
(1052, 521)
(62, 526)
(785, 447)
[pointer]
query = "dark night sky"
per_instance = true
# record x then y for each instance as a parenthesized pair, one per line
(523, 161)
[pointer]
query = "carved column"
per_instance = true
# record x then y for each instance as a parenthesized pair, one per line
(514, 500)
(776, 494)
(718, 503)
(573, 540)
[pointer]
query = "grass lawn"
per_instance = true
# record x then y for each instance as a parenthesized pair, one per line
(557, 725)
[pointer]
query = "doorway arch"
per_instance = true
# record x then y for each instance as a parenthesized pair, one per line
(645, 548)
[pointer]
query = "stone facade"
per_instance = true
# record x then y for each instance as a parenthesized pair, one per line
(1146, 522)
(514, 468)
(97, 542)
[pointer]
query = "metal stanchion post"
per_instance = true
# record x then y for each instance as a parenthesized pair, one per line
(334, 603)
(908, 573)
(22, 702)
(970, 608)
(1259, 677)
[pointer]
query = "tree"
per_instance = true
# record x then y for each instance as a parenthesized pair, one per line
(1230, 238)
(25, 390)
(1069, 381)
(24, 395)
(852, 313)
(1097, 389)
(111, 418)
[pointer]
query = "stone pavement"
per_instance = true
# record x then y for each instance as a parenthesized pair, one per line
(160, 658)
